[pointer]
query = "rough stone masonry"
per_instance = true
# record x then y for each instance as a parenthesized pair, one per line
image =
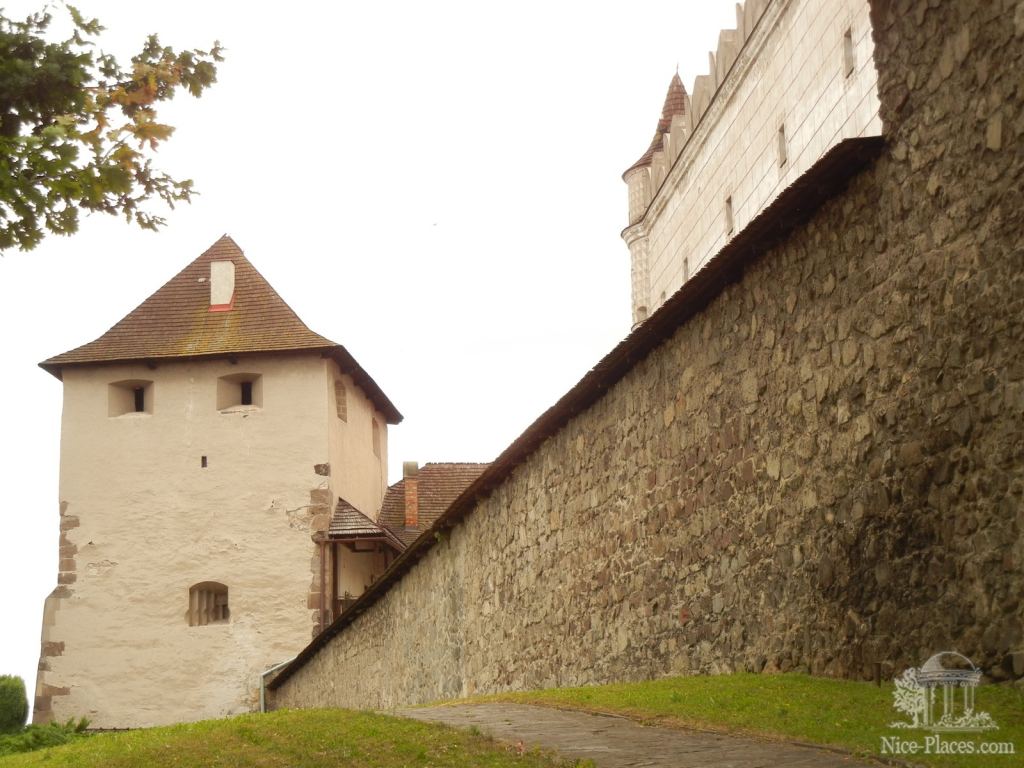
(821, 470)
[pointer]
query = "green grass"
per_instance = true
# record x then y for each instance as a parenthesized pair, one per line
(840, 713)
(287, 739)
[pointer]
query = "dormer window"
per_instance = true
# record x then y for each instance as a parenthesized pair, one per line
(239, 390)
(129, 396)
(222, 286)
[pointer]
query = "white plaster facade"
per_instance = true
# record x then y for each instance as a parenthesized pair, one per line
(804, 67)
(362, 476)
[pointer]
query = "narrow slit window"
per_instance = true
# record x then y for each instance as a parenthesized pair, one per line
(140, 399)
(729, 223)
(849, 60)
(246, 387)
(782, 148)
(340, 401)
(202, 462)
(376, 438)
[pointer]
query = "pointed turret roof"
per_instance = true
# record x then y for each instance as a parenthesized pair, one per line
(177, 322)
(676, 103)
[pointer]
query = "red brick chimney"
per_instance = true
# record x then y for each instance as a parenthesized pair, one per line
(410, 472)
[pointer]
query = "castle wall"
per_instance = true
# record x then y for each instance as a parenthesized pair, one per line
(820, 470)
(791, 74)
(357, 474)
(142, 520)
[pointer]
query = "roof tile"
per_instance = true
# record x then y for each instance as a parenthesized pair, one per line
(439, 484)
(676, 103)
(347, 522)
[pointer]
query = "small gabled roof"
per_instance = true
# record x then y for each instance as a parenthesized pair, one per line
(676, 103)
(176, 322)
(438, 485)
(348, 523)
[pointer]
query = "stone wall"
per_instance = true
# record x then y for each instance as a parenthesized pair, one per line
(821, 470)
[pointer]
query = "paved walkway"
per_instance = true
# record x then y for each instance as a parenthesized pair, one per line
(615, 742)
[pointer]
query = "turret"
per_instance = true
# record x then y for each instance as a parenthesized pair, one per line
(643, 179)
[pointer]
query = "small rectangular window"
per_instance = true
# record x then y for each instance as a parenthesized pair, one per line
(239, 390)
(376, 439)
(782, 148)
(729, 225)
(849, 60)
(202, 462)
(129, 397)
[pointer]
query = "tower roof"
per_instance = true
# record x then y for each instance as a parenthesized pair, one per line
(177, 322)
(676, 103)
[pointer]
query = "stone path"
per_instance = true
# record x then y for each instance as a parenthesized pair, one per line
(615, 742)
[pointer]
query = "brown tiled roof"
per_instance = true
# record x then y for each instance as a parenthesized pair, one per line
(347, 522)
(438, 485)
(676, 103)
(789, 210)
(176, 322)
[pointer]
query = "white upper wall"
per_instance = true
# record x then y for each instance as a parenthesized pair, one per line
(358, 472)
(790, 69)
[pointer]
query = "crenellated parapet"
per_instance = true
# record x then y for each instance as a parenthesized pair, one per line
(790, 81)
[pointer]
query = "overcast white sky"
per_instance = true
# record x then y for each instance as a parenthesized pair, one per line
(435, 185)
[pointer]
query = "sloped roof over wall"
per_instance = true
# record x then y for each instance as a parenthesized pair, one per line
(791, 208)
(348, 523)
(176, 322)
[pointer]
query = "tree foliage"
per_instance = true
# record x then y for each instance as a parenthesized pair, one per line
(13, 704)
(77, 128)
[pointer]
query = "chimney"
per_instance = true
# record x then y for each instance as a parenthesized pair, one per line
(222, 285)
(410, 473)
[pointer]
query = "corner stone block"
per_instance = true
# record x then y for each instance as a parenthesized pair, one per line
(51, 648)
(320, 497)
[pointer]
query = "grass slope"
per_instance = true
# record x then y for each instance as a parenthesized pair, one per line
(841, 713)
(287, 739)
